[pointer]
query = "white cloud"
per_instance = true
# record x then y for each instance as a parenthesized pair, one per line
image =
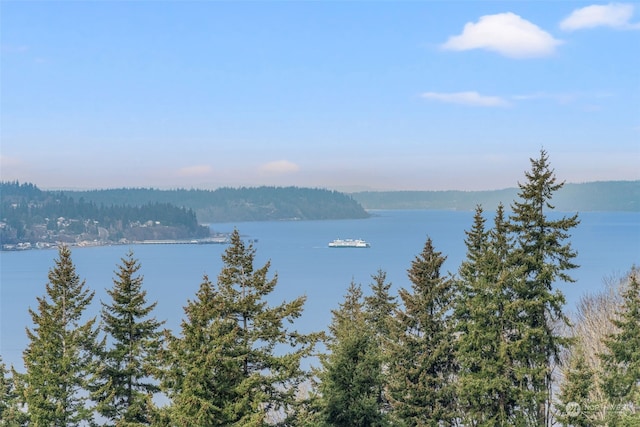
(588, 100)
(467, 98)
(194, 171)
(505, 33)
(614, 15)
(10, 48)
(561, 98)
(279, 167)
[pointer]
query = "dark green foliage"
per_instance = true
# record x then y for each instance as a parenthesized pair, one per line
(240, 204)
(575, 407)
(60, 355)
(422, 363)
(33, 215)
(545, 257)
(11, 413)
(622, 362)
(351, 378)
(128, 366)
(507, 309)
(487, 394)
(230, 366)
(201, 376)
(380, 307)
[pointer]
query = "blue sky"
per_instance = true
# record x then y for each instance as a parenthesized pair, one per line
(425, 95)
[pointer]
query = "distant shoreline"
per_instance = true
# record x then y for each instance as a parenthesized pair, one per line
(26, 246)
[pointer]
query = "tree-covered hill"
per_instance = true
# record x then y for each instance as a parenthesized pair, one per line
(591, 196)
(239, 204)
(30, 215)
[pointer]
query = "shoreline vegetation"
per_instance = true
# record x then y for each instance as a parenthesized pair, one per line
(32, 218)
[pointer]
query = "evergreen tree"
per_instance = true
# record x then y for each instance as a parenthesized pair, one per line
(202, 374)
(128, 368)
(230, 366)
(422, 364)
(380, 307)
(11, 414)
(486, 393)
(351, 376)
(575, 406)
(622, 361)
(545, 257)
(477, 245)
(60, 355)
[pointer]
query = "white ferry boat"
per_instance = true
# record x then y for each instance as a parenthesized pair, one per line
(349, 243)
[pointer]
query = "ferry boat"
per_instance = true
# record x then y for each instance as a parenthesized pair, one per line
(349, 243)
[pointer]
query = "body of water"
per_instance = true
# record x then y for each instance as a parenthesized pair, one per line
(608, 244)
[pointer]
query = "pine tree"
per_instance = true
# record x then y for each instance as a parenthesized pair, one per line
(230, 366)
(128, 368)
(202, 374)
(380, 307)
(60, 355)
(545, 257)
(486, 392)
(622, 361)
(477, 244)
(575, 406)
(350, 380)
(11, 414)
(591, 326)
(422, 364)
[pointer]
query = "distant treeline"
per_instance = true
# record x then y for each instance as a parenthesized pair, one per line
(28, 214)
(591, 196)
(239, 204)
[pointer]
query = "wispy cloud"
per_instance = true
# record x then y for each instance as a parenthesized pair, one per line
(195, 171)
(8, 48)
(505, 33)
(566, 98)
(561, 98)
(471, 98)
(614, 15)
(279, 167)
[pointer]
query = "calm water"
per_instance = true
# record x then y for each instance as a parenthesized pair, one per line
(608, 245)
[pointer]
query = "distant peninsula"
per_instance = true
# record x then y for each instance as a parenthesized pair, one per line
(591, 196)
(238, 204)
(35, 218)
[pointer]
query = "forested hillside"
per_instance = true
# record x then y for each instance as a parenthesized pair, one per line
(592, 196)
(31, 216)
(239, 204)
